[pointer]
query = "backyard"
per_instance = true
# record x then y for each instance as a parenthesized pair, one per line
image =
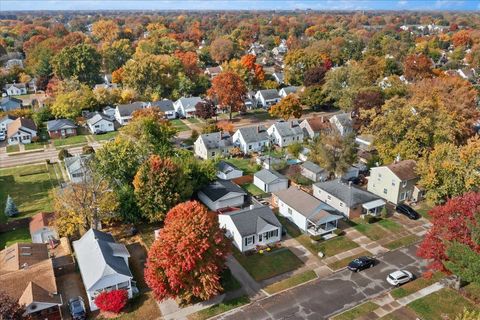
(19, 235)
(244, 164)
(253, 190)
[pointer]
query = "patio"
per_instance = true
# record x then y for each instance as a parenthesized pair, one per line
(322, 223)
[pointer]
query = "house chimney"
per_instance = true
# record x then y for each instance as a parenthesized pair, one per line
(398, 158)
(258, 129)
(291, 124)
(322, 119)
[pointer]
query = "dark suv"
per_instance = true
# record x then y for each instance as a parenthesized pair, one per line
(77, 308)
(361, 263)
(407, 211)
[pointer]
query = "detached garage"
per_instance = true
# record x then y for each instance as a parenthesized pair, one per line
(270, 181)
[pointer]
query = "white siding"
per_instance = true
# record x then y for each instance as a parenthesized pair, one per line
(102, 125)
(331, 200)
(226, 222)
(384, 184)
(229, 200)
(292, 215)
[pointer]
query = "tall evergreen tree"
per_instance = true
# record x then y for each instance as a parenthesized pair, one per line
(10, 208)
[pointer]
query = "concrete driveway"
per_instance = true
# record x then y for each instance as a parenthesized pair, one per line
(325, 297)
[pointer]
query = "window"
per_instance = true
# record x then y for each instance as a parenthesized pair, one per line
(403, 195)
(329, 198)
(110, 124)
(249, 240)
(97, 126)
(404, 184)
(123, 285)
(341, 204)
(289, 211)
(249, 147)
(260, 237)
(393, 183)
(385, 191)
(213, 153)
(270, 234)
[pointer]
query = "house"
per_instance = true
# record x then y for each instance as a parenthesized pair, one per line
(303, 155)
(107, 86)
(123, 112)
(350, 200)
(267, 97)
(14, 62)
(109, 112)
(212, 72)
(364, 141)
(284, 133)
(41, 229)
(21, 130)
(251, 139)
(15, 89)
(27, 276)
(251, 227)
(250, 101)
(270, 180)
(100, 123)
(467, 74)
(166, 106)
(211, 145)
(343, 123)
(313, 172)
(352, 172)
(287, 90)
(103, 264)
(227, 171)
(281, 49)
(76, 168)
(5, 121)
(313, 127)
(278, 77)
(222, 194)
(185, 107)
(395, 182)
(269, 162)
(306, 212)
(61, 128)
(10, 103)
(256, 49)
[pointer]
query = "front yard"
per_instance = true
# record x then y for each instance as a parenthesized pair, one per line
(35, 146)
(416, 285)
(75, 140)
(269, 264)
(13, 148)
(105, 136)
(218, 309)
(11, 237)
(291, 282)
(179, 125)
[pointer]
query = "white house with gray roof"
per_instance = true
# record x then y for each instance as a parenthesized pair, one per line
(313, 171)
(166, 106)
(284, 133)
(251, 139)
(123, 112)
(211, 145)
(288, 90)
(103, 265)
(227, 171)
(76, 167)
(270, 180)
(267, 97)
(222, 194)
(351, 201)
(251, 227)
(100, 123)
(343, 123)
(306, 212)
(185, 107)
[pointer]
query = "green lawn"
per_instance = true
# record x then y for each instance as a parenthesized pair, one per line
(344, 262)
(246, 165)
(219, 308)
(105, 136)
(179, 125)
(11, 237)
(329, 247)
(267, 265)
(372, 231)
(472, 291)
(424, 209)
(260, 114)
(443, 304)
(291, 282)
(358, 311)
(29, 187)
(415, 285)
(13, 148)
(34, 146)
(193, 120)
(70, 141)
(253, 189)
(291, 228)
(402, 242)
(391, 225)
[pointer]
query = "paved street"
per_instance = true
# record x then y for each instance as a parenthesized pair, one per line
(324, 297)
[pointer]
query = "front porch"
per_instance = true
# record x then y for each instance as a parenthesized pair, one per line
(322, 224)
(374, 207)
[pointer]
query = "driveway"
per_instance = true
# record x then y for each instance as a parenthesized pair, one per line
(325, 297)
(70, 286)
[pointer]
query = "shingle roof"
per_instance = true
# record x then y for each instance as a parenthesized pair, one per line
(303, 203)
(98, 117)
(189, 103)
(99, 256)
(18, 124)
(126, 110)
(290, 89)
(269, 94)
(404, 170)
(252, 221)
(226, 167)
(318, 124)
(350, 195)
(288, 128)
(220, 188)
(40, 220)
(54, 125)
(216, 140)
(268, 176)
(76, 164)
(164, 105)
(17, 255)
(344, 119)
(312, 167)
(254, 133)
(8, 116)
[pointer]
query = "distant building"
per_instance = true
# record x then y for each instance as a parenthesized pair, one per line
(10, 103)
(251, 139)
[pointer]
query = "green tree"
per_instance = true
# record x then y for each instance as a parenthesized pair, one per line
(313, 97)
(334, 152)
(115, 55)
(297, 62)
(70, 104)
(81, 62)
(10, 208)
(463, 262)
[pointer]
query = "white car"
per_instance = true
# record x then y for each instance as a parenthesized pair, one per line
(2, 136)
(399, 277)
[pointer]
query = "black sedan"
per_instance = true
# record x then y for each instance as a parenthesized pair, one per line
(407, 211)
(361, 263)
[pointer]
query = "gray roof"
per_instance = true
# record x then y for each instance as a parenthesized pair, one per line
(344, 119)
(268, 176)
(98, 117)
(226, 167)
(254, 133)
(288, 128)
(269, 94)
(126, 110)
(290, 89)
(190, 102)
(10, 103)
(252, 221)
(76, 164)
(164, 105)
(279, 76)
(216, 140)
(99, 256)
(7, 116)
(58, 124)
(350, 195)
(312, 167)
(220, 188)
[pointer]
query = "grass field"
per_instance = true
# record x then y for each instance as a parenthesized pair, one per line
(391, 225)
(267, 265)
(13, 148)
(18, 235)
(291, 282)
(356, 312)
(70, 141)
(219, 308)
(245, 165)
(29, 186)
(193, 120)
(424, 209)
(372, 231)
(179, 125)
(105, 136)
(253, 189)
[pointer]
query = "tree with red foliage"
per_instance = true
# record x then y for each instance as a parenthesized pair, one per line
(314, 76)
(112, 301)
(189, 61)
(229, 90)
(205, 109)
(248, 61)
(187, 259)
(418, 67)
(452, 222)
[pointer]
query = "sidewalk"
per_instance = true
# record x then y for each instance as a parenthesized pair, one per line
(365, 242)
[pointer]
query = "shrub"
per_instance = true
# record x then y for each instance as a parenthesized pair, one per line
(316, 238)
(10, 208)
(194, 135)
(47, 161)
(294, 149)
(370, 219)
(35, 139)
(63, 153)
(112, 301)
(338, 232)
(384, 212)
(88, 150)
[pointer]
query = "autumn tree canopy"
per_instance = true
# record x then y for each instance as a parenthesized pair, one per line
(287, 107)
(229, 91)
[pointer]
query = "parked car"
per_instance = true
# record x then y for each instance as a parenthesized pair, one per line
(77, 308)
(407, 211)
(399, 277)
(361, 263)
(2, 136)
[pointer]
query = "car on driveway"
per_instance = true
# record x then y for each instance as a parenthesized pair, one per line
(407, 211)
(361, 263)
(77, 308)
(399, 277)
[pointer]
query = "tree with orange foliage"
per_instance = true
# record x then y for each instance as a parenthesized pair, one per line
(256, 70)
(187, 259)
(189, 61)
(229, 90)
(106, 30)
(287, 107)
(221, 49)
(418, 67)
(462, 38)
(117, 76)
(226, 126)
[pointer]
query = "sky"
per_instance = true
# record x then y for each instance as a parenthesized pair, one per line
(9, 5)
